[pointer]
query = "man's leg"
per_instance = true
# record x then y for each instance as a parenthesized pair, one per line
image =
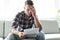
(40, 36)
(12, 37)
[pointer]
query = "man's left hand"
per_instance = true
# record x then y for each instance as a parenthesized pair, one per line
(33, 11)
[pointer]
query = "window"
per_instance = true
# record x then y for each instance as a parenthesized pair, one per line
(45, 9)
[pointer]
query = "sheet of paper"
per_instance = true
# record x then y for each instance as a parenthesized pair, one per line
(31, 31)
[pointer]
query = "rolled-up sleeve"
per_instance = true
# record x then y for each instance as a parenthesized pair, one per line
(16, 24)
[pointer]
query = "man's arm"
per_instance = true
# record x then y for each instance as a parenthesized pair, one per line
(36, 22)
(14, 31)
(20, 34)
(15, 25)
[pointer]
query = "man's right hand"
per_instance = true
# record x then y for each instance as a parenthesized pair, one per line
(21, 35)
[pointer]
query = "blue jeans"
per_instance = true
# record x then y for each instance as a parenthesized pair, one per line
(39, 36)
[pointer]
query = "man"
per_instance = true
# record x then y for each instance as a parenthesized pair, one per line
(25, 20)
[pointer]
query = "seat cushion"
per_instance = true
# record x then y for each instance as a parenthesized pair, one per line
(52, 36)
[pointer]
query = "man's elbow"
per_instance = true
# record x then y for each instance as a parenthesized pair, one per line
(12, 30)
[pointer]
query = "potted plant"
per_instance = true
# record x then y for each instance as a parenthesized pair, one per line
(58, 15)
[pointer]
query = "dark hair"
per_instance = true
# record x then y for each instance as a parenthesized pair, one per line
(29, 2)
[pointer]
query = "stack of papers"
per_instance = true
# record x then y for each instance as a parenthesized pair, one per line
(31, 32)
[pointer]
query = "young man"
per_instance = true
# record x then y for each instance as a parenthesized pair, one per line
(25, 20)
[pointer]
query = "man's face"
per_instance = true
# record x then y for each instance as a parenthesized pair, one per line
(28, 9)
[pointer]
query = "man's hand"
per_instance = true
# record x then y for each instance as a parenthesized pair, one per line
(36, 22)
(33, 11)
(21, 35)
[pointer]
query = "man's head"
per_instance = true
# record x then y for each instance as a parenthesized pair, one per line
(28, 6)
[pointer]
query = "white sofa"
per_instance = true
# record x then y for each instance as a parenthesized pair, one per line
(49, 35)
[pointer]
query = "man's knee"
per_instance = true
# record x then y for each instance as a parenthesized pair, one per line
(12, 37)
(40, 36)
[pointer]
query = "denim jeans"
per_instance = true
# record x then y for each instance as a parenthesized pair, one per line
(11, 36)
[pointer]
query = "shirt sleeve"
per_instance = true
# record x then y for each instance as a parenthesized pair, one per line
(16, 24)
(16, 21)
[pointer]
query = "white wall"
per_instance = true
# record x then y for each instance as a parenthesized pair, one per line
(45, 9)
(1, 9)
(59, 3)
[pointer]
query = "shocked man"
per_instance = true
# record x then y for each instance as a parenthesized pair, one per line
(25, 20)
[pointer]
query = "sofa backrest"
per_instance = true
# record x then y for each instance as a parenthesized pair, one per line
(7, 27)
(49, 26)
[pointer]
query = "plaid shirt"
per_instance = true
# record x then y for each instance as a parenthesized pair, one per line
(21, 22)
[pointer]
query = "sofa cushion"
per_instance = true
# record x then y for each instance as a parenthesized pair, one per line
(49, 26)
